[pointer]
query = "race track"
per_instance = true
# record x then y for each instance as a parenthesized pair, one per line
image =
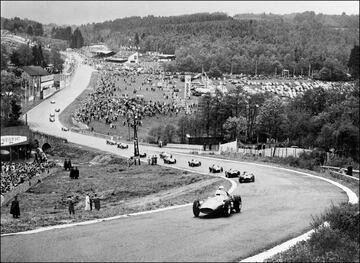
(278, 206)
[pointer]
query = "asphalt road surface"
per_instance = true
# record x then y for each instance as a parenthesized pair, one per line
(278, 206)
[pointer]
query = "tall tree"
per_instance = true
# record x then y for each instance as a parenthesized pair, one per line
(354, 61)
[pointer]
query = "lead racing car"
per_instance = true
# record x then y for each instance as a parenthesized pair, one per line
(246, 177)
(221, 204)
(194, 163)
(215, 169)
(232, 173)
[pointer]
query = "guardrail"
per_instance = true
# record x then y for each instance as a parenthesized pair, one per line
(339, 175)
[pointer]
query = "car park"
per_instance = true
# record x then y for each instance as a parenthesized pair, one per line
(51, 119)
(246, 177)
(232, 173)
(194, 163)
(122, 145)
(218, 205)
(169, 160)
(215, 169)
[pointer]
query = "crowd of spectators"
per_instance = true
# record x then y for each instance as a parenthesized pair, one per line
(15, 173)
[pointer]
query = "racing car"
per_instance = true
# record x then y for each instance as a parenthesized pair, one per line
(246, 177)
(64, 129)
(57, 110)
(194, 163)
(232, 173)
(218, 205)
(122, 145)
(52, 114)
(111, 142)
(51, 119)
(142, 155)
(215, 169)
(164, 155)
(169, 160)
(52, 101)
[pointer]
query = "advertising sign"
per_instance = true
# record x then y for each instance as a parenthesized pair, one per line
(11, 140)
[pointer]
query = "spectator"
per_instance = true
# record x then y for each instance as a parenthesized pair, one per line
(76, 173)
(97, 202)
(87, 203)
(71, 206)
(15, 208)
(72, 173)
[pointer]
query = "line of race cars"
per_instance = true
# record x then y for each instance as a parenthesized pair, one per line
(52, 116)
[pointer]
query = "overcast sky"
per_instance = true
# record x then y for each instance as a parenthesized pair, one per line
(81, 12)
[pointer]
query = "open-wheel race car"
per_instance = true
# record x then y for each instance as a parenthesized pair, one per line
(142, 155)
(64, 129)
(232, 173)
(218, 205)
(51, 119)
(169, 160)
(246, 177)
(52, 114)
(122, 145)
(215, 169)
(164, 155)
(111, 142)
(57, 110)
(194, 163)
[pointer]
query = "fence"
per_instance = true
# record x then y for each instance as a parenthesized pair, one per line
(272, 151)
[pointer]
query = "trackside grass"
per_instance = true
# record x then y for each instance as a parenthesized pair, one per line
(122, 189)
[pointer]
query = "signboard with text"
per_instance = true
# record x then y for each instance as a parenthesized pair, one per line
(12, 140)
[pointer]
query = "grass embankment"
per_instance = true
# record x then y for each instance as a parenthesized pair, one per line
(122, 189)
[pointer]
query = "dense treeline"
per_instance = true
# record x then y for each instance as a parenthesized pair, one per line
(263, 44)
(74, 39)
(17, 25)
(320, 118)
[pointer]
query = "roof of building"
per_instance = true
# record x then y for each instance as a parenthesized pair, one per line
(124, 54)
(35, 71)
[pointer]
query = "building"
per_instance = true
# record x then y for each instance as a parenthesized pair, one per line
(166, 57)
(37, 83)
(125, 56)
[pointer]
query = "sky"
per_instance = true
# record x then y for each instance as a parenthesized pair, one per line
(82, 12)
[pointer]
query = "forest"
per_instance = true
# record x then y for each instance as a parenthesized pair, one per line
(250, 44)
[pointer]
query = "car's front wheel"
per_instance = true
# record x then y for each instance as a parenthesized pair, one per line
(227, 209)
(237, 204)
(253, 179)
(196, 208)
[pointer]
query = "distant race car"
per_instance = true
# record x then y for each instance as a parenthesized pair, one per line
(52, 114)
(111, 142)
(57, 110)
(164, 154)
(232, 173)
(215, 169)
(219, 204)
(142, 155)
(169, 160)
(194, 163)
(51, 119)
(122, 145)
(52, 101)
(64, 129)
(246, 177)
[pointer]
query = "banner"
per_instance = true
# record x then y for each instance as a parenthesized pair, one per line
(11, 140)
(187, 88)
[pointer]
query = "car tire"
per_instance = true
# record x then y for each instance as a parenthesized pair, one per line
(175, 162)
(199, 163)
(237, 204)
(227, 209)
(240, 181)
(196, 208)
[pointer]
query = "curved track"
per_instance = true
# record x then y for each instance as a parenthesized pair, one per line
(279, 205)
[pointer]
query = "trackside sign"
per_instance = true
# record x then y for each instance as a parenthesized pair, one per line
(11, 140)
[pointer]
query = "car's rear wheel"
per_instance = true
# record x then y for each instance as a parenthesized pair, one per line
(241, 181)
(196, 208)
(237, 204)
(253, 179)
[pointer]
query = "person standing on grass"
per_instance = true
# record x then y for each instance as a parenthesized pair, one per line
(15, 208)
(87, 203)
(71, 206)
(97, 202)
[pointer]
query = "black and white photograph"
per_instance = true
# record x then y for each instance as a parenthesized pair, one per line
(180, 131)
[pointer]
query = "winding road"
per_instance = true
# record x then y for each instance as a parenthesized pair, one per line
(277, 207)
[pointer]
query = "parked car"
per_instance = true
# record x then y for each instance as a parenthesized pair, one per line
(122, 145)
(232, 173)
(246, 177)
(194, 163)
(215, 169)
(219, 204)
(51, 119)
(169, 160)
